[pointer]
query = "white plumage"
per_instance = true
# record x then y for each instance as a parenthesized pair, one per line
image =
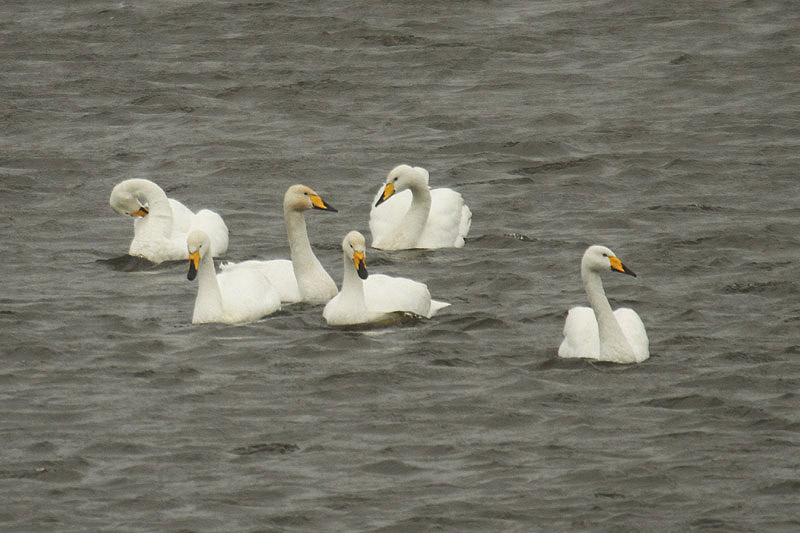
(303, 278)
(366, 299)
(597, 332)
(407, 214)
(242, 295)
(162, 224)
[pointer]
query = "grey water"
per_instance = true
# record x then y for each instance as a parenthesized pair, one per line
(667, 131)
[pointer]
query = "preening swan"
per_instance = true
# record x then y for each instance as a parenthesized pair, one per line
(303, 278)
(365, 299)
(597, 332)
(162, 224)
(242, 295)
(407, 214)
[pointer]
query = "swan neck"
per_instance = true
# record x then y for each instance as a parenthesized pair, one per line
(613, 343)
(352, 293)
(305, 264)
(159, 219)
(597, 295)
(299, 244)
(209, 295)
(417, 215)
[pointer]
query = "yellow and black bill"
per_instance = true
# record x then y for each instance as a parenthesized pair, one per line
(319, 203)
(194, 263)
(361, 264)
(387, 193)
(617, 265)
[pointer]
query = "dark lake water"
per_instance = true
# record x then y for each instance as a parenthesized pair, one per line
(665, 131)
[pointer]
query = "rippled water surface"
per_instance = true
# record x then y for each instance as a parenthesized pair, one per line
(666, 131)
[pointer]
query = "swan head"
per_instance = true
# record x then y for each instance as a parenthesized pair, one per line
(198, 244)
(601, 259)
(126, 201)
(400, 178)
(354, 246)
(300, 198)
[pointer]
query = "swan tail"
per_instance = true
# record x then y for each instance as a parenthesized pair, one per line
(436, 306)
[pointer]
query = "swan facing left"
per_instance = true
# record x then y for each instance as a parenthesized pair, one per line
(162, 224)
(597, 332)
(241, 295)
(367, 299)
(407, 214)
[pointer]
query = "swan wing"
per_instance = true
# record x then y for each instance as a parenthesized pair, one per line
(212, 224)
(634, 331)
(247, 295)
(386, 294)
(581, 336)
(279, 272)
(448, 222)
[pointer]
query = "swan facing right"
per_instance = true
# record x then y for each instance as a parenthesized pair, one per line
(303, 278)
(597, 332)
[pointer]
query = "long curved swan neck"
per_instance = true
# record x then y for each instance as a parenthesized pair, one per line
(417, 215)
(352, 293)
(596, 294)
(297, 232)
(304, 261)
(209, 295)
(159, 219)
(612, 339)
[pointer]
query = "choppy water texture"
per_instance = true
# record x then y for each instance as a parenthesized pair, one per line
(667, 131)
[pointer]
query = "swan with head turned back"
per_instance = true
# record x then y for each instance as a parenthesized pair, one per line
(406, 213)
(162, 224)
(597, 332)
(242, 295)
(366, 299)
(303, 278)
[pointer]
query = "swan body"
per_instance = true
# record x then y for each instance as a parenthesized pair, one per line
(242, 295)
(407, 214)
(597, 332)
(162, 224)
(366, 299)
(303, 278)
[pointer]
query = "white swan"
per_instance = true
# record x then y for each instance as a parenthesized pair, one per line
(417, 217)
(366, 299)
(162, 224)
(303, 278)
(620, 337)
(242, 295)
